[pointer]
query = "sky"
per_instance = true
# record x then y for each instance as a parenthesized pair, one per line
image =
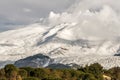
(100, 18)
(14, 13)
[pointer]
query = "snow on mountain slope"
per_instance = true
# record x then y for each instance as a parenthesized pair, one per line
(80, 35)
(21, 43)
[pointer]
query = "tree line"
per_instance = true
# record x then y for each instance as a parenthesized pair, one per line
(92, 72)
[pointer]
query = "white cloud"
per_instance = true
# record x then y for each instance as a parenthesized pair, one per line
(99, 18)
(29, 11)
(96, 18)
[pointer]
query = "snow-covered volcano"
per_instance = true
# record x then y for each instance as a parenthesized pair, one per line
(58, 42)
(81, 35)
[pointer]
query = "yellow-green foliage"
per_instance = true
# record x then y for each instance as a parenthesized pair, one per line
(31, 78)
(92, 72)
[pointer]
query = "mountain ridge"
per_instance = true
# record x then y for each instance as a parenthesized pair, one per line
(34, 39)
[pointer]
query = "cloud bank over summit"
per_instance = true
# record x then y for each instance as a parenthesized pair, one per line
(96, 18)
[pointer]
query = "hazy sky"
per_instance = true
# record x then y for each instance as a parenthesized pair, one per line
(20, 12)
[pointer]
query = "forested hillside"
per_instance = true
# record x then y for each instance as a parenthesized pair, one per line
(92, 72)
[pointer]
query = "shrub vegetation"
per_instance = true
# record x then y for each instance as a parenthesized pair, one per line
(92, 72)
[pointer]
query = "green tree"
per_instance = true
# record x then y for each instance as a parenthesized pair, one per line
(97, 70)
(29, 70)
(115, 73)
(22, 73)
(56, 73)
(41, 73)
(3, 79)
(66, 74)
(2, 74)
(31, 78)
(87, 76)
(10, 72)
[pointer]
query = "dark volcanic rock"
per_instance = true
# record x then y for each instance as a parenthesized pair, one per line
(36, 61)
(58, 66)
